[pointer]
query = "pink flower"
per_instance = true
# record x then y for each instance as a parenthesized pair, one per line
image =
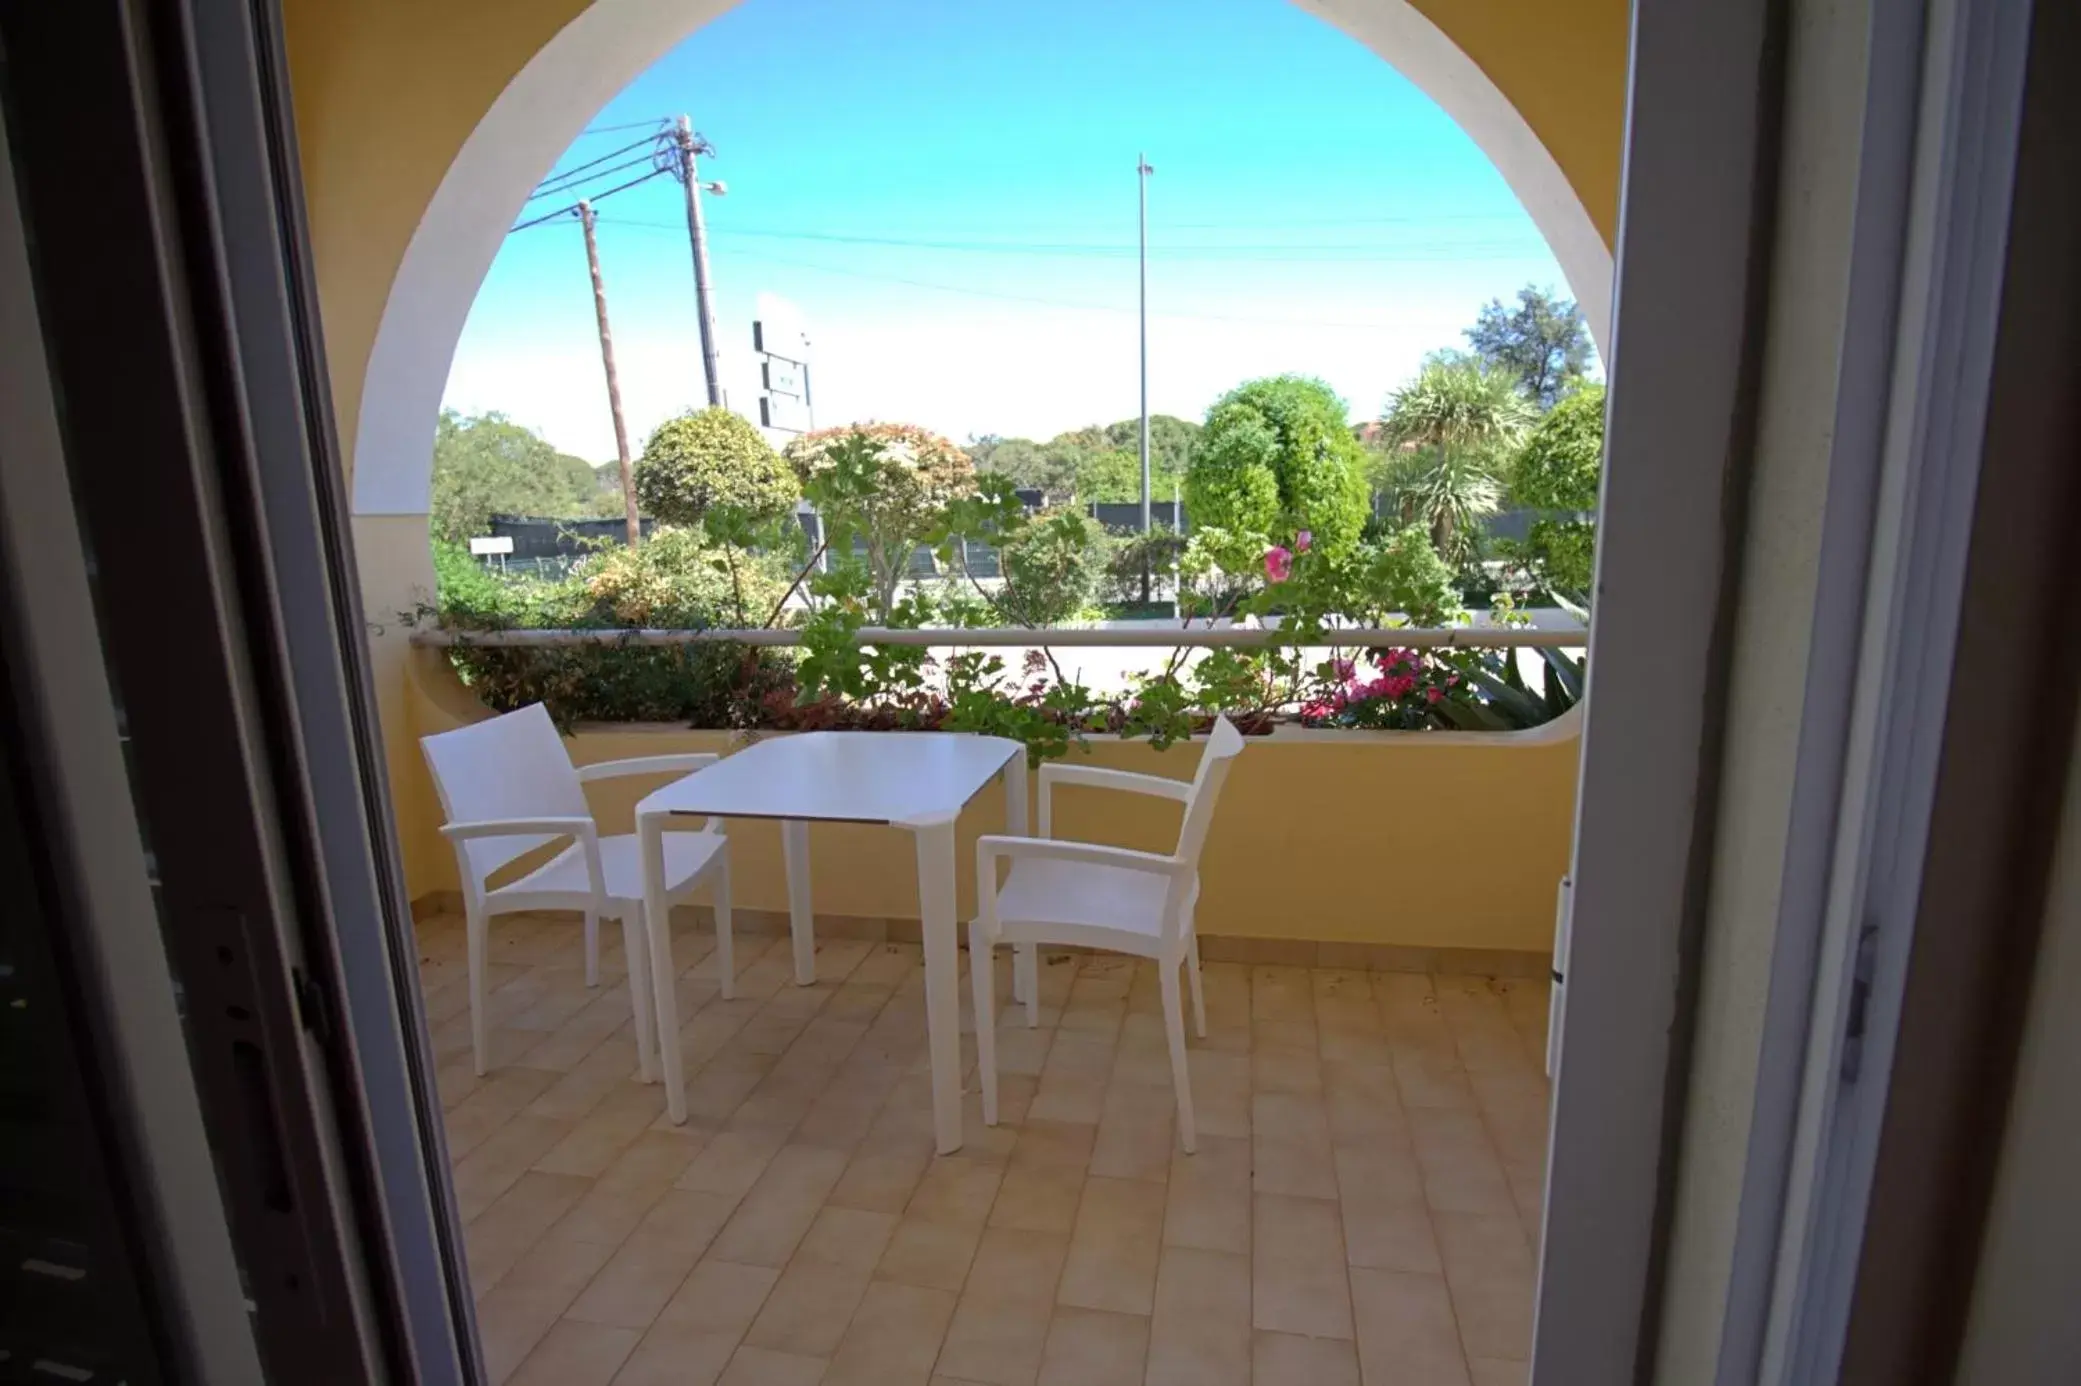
(1302, 541)
(1344, 669)
(1434, 694)
(1278, 564)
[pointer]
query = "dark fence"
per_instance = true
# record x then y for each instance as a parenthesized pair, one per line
(536, 536)
(1128, 514)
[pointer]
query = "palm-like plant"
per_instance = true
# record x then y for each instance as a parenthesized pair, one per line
(1448, 435)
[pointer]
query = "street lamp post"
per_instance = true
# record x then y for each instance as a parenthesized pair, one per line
(1142, 171)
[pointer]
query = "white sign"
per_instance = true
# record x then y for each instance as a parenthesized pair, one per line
(779, 329)
(485, 548)
(783, 413)
(783, 377)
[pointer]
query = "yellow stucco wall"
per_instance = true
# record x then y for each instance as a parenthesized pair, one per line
(1563, 66)
(1419, 839)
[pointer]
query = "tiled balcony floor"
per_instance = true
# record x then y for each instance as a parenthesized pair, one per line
(1362, 1207)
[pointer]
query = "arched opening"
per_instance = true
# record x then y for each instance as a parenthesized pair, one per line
(608, 45)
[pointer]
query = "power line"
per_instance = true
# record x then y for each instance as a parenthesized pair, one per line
(578, 172)
(1068, 304)
(1267, 251)
(595, 197)
(659, 125)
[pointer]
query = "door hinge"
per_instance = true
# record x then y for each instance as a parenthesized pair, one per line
(1861, 972)
(311, 1008)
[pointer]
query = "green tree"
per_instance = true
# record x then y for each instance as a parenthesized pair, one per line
(1170, 446)
(1115, 476)
(1557, 469)
(1277, 456)
(1543, 342)
(487, 465)
(886, 485)
(1023, 462)
(713, 460)
(1449, 435)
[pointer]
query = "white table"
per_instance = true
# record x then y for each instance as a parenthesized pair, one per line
(915, 780)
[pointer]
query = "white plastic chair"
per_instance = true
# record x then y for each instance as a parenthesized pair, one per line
(1083, 894)
(507, 787)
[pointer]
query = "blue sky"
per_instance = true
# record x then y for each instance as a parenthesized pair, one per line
(946, 191)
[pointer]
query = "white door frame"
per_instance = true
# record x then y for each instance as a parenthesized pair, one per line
(1695, 224)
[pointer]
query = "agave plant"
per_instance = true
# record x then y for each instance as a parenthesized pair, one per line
(1507, 702)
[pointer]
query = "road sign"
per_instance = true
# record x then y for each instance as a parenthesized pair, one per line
(485, 548)
(785, 377)
(784, 413)
(779, 329)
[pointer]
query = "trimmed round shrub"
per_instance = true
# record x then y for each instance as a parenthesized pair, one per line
(1277, 456)
(1558, 466)
(712, 460)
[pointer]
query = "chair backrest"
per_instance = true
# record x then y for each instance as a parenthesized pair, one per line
(1223, 744)
(513, 766)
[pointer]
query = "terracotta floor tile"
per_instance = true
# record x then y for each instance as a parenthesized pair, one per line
(893, 1338)
(1488, 1268)
(1200, 1332)
(497, 1163)
(1114, 1247)
(519, 1310)
(576, 1354)
(1290, 1145)
(1460, 1171)
(1370, 1164)
(505, 1231)
(956, 1190)
(760, 1367)
(1284, 1359)
(1298, 1269)
(809, 1307)
(1406, 1332)
(1038, 1198)
(1089, 1347)
(1208, 1206)
(1135, 1133)
(1489, 1372)
(1043, 1142)
(935, 1255)
(777, 1212)
(1001, 1323)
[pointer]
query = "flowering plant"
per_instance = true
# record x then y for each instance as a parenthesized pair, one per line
(1409, 691)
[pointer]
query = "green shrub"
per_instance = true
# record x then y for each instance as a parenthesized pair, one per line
(1558, 466)
(1403, 573)
(712, 460)
(676, 580)
(1277, 457)
(1051, 569)
(1232, 482)
(1558, 469)
(885, 488)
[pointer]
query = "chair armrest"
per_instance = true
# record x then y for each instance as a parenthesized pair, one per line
(990, 847)
(646, 765)
(519, 827)
(1126, 781)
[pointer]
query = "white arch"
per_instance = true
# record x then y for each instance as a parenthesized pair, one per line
(611, 42)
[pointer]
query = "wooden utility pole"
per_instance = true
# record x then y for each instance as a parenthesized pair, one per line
(690, 145)
(621, 430)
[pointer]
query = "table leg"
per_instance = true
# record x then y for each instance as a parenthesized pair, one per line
(1025, 967)
(657, 925)
(794, 846)
(942, 977)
